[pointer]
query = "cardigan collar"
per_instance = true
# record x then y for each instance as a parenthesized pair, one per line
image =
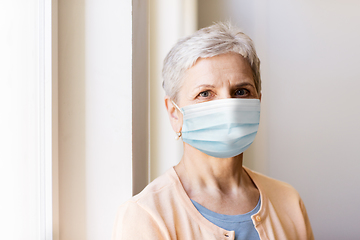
(194, 213)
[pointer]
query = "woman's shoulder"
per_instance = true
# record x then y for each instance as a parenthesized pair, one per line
(270, 185)
(156, 192)
(143, 213)
(282, 202)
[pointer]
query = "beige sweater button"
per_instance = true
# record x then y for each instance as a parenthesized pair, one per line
(258, 218)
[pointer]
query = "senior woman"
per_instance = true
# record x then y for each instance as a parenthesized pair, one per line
(213, 92)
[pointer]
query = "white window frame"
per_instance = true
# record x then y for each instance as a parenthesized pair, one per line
(45, 123)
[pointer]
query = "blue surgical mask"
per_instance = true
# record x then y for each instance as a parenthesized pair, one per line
(221, 128)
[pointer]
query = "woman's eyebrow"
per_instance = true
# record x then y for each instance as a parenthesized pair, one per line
(244, 84)
(205, 86)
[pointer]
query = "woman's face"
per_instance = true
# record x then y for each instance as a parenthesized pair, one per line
(224, 76)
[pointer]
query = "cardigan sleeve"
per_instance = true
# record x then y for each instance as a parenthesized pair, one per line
(134, 222)
(309, 232)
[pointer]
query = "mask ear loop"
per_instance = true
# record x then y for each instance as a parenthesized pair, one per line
(182, 112)
(178, 134)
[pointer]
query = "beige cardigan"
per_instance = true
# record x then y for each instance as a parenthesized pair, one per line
(163, 210)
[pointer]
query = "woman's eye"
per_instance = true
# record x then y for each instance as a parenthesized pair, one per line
(204, 94)
(241, 92)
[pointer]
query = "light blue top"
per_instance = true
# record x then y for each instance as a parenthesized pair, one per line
(241, 224)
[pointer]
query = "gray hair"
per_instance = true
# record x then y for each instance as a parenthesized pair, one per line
(211, 41)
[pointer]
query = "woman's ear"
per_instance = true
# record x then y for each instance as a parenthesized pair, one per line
(174, 114)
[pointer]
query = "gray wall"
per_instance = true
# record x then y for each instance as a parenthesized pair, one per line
(310, 110)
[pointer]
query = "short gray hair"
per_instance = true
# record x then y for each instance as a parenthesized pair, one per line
(211, 41)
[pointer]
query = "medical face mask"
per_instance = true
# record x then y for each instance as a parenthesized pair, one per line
(221, 128)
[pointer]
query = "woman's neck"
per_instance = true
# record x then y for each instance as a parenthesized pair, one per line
(219, 184)
(201, 171)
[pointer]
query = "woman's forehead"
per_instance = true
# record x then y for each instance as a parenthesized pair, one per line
(229, 68)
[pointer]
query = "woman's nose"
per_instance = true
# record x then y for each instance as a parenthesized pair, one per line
(225, 93)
